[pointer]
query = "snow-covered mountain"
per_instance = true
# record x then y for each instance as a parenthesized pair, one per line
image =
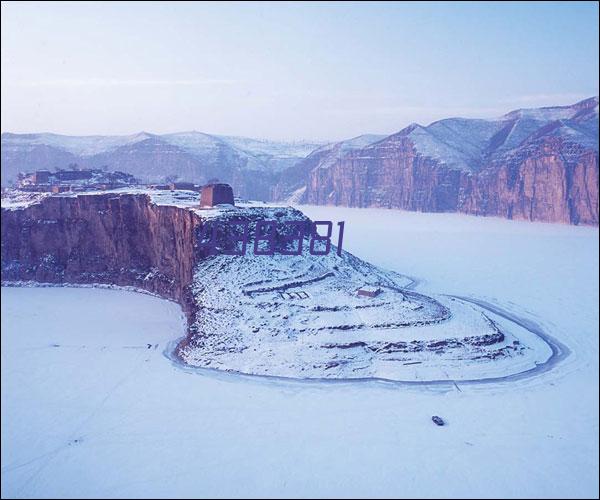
(193, 142)
(467, 144)
(292, 182)
(480, 166)
(76, 145)
(534, 164)
(192, 156)
(274, 149)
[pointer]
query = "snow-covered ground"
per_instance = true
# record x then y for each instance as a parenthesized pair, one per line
(92, 407)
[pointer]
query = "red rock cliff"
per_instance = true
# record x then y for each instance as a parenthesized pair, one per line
(114, 239)
(549, 180)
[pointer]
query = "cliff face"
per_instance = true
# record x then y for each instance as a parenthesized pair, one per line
(114, 239)
(550, 180)
(247, 165)
(150, 242)
(534, 164)
(243, 312)
(395, 177)
(292, 181)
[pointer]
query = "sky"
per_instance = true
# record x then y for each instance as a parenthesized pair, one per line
(319, 71)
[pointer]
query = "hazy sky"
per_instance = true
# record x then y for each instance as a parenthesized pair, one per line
(313, 71)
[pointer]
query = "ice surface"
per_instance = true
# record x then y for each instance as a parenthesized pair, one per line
(88, 409)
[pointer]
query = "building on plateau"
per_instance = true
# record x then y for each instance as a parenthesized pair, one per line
(216, 194)
(73, 180)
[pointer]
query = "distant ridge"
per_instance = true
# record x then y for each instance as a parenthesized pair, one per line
(531, 163)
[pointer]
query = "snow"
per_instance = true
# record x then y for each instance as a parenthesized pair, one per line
(459, 140)
(550, 113)
(358, 142)
(333, 152)
(300, 317)
(448, 150)
(89, 409)
(15, 200)
(296, 195)
(266, 147)
(78, 145)
(460, 143)
(193, 141)
(258, 154)
(467, 144)
(573, 132)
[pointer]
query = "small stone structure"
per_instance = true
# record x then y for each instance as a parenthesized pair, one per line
(369, 291)
(216, 194)
(41, 176)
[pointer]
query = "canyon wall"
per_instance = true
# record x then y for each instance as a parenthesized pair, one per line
(115, 239)
(538, 164)
(550, 181)
(127, 239)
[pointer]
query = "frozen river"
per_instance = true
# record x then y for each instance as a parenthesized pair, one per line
(92, 407)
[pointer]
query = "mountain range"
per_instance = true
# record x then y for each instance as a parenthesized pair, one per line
(533, 164)
(250, 165)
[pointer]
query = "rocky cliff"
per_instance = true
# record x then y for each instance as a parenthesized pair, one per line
(115, 239)
(286, 315)
(249, 165)
(147, 241)
(539, 165)
(546, 184)
(535, 164)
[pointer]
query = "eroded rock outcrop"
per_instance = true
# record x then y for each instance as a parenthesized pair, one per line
(117, 238)
(279, 314)
(533, 164)
(549, 181)
(114, 239)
